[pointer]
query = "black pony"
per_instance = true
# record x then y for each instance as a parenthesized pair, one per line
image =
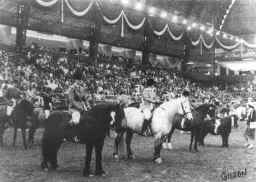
(219, 126)
(20, 118)
(194, 126)
(91, 131)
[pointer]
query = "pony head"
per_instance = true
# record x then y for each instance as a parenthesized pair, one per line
(185, 107)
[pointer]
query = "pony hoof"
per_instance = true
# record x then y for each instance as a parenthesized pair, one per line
(44, 167)
(101, 173)
(169, 146)
(158, 160)
(87, 174)
(165, 145)
(131, 156)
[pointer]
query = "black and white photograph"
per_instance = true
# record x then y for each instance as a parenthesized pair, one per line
(127, 90)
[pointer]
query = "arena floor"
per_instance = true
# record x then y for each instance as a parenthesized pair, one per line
(18, 165)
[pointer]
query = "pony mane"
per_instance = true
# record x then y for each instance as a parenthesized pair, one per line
(105, 106)
(202, 107)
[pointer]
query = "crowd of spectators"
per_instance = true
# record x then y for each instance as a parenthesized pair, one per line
(39, 67)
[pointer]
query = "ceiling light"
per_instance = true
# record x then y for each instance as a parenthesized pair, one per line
(139, 6)
(184, 21)
(189, 28)
(224, 35)
(151, 11)
(194, 25)
(125, 2)
(163, 14)
(218, 33)
(202, 27)
(174, 19)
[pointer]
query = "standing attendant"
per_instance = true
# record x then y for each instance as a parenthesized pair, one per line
(251, 125)
(47, 99)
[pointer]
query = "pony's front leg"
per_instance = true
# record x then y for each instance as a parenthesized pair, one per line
(31, 134)
(23, 131)
(157, 147)
(168, 145)
(2, 135)
(88, 157)
(191, 140)
(98, 155)
(14, 136)
(118, 140)
(196, 141)
(129, 136)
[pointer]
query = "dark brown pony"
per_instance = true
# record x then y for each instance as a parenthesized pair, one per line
(194, 126)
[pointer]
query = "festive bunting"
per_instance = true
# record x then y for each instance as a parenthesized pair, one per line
(134, 27)
(124, 19)
(79, 13)
(253, 46)
(228, 47)
(167, 28)
(47, 3)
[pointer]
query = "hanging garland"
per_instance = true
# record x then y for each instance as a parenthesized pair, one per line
(79, 13)
(134, 27)
(196, 42)
(253, 46)
(225, 46)
(113, 21)
(208, 46)
(47, 3)
(167, 28)
(161, 32)
(173, 36)
(140, 25)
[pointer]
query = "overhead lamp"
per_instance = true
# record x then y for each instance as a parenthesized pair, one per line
(189, 28)
(139, 6)
(184, 21)
(125, 2)
(218, 33)
(163, 14)
(174, 19)
(225, 36)
(202, 28)
(151, 11)
(194, 25)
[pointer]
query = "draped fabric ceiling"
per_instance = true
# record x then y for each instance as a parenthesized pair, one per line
(208, 41)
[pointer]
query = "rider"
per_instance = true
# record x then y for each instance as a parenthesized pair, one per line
(250, 129)
(47, 100)
(76, 101)
(184, 96)
(149, 99)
